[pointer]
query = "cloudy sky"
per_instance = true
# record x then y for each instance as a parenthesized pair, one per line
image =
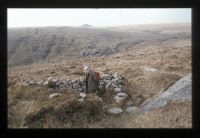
(30, 17)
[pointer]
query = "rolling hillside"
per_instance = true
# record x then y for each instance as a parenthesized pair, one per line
(152, 59)
(51, 44)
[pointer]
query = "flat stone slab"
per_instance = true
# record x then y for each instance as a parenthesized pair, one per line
(150, 69)
(115, 110)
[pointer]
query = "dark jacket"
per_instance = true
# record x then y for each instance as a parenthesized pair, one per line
(91, 83)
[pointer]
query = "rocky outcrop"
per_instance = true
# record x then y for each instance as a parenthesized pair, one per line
(108, 51)
(180, 91)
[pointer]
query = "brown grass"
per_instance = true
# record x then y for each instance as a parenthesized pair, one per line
(29, 103)
(35, 109)
(176, 115)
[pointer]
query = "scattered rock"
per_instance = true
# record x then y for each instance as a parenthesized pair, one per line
(83, 95)
(149, 69)
(65, 82)
(101, 99)
(54, 80)
(61, 86)
(122, 94)
(115, 110)
(39, 82)
(114, 85)
(120, 81)
(84, 87)
(101, 87)
(46, 83)
(80, 89)
(129, 104)
(120, 97)
(52, 84)
(50, 78)
(75, 86)
(54, 95)
(58, 82)
(107, 86)
(117, 90)
(24, 84)
(132, 110)
(105, 75)
(116, 80)
(31, 82)
(81, 99)
(82, 79)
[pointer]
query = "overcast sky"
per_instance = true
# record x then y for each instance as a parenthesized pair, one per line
(31, 17)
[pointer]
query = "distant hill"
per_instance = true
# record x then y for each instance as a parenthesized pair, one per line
(86, 25)
(48, 44)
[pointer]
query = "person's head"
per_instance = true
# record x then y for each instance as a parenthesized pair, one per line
(86, 69)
